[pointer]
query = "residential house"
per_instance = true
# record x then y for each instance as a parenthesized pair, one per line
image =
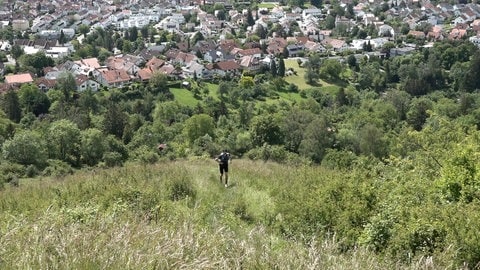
(87, 66)
(126, 63)
(83, 83)
(276, 46)
(250, 62)
(295, 50)
(436, 33)
(456, 33)
(184, 58)
(213, 56)
(416, 34)
(337, 45)
(386, 31)
(45, 84)
(314, 47)
(18, 79)
(204, 46)
(169, 70)
(194, 69)
(113, 78)
(312, 11)
(401, 51)
(475, 40)
(152, 51)
(225, 68)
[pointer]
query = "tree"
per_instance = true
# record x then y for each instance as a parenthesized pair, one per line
(26, 147)
(198, 126)
(316, 3)
(33, 100)
(293, 127)
(317, 138)
(250, 20)
(115, 120)
(62, 39)
(311, 76)
(92, 146)
(67, 84)
(473, 72)
(38, 61)
(417, 114)
(11, 106)
(371, 142)
(63, 138)
(16, 51)
(281, 67)
(159, 83)
(330, 22)
(83, 29)
(331, 69)
(352, 62)
(198, 36)
(265, 129)
(133, 33)
(273, 68)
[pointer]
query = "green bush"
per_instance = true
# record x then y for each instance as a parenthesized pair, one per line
(112, 159)
(57, 168)
(10, 168)
(181, 187)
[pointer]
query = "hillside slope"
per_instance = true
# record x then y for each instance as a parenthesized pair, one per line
(177, 215)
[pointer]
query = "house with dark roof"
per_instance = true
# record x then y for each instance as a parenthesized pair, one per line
(224, 68)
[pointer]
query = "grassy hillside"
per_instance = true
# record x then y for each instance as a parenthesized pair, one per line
(177, 215)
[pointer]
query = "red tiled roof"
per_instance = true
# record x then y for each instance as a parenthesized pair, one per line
(115, 76)
(145, 74)
(228, 65)
(19, 78)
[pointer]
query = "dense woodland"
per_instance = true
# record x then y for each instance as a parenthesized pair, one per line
(398, 136)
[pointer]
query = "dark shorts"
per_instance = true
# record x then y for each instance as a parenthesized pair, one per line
(223, 168)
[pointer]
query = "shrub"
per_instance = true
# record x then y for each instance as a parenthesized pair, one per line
(338, 159)
(9, 168)
(31, 171)
(112, 159)
(180, 187)
(57, 168)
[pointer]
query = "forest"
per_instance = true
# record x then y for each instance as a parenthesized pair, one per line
(398, 138)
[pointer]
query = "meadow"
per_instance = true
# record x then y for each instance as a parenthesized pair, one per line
(177, 215)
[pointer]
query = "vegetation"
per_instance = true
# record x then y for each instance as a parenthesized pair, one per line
(371, 160)
(177, 215)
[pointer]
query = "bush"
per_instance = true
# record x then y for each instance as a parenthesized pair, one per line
(112, 159)
(9, 168)
(338, 159)
(57, 168)
(145, 155)
(180, 187)
(275, 153)
(31, 171)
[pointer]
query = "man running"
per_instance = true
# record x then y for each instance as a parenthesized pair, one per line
(223, 159)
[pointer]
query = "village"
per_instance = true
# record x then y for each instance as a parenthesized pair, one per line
(211, 39)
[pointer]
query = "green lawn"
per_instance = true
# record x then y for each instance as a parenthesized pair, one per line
(299, 79)
(267, 5)
(184, 96)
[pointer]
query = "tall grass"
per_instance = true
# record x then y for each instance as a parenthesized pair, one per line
(166, 216)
